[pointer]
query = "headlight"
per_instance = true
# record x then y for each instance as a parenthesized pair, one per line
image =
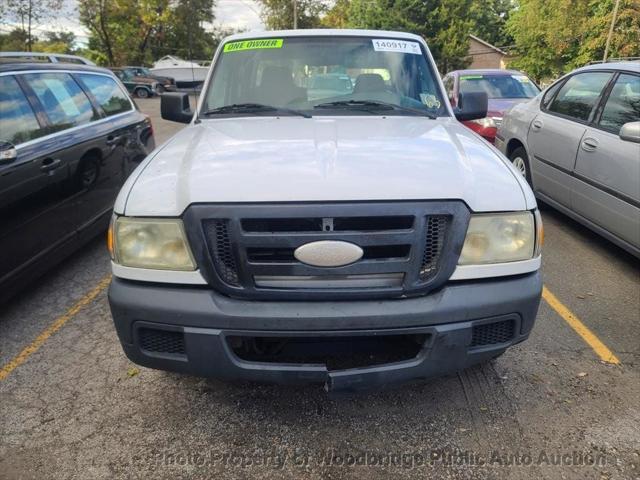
(486, 122)
(501, 237)
(150, 243)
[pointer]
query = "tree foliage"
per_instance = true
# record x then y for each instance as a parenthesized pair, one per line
(445, 24)
(29, 13)
(555, 36)
(53, 42)
(140, 31)
(278, 14)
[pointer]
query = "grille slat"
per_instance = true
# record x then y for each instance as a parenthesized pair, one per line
(162, 341)
(493, 333)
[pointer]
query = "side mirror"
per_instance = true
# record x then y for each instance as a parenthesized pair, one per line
(175, 107)
(630, 132)
(471, 106)
(8, 152)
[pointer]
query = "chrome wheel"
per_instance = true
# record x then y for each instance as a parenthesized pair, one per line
(520, 164)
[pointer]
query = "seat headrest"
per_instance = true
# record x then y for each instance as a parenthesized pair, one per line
(369, 82)
(272, 76)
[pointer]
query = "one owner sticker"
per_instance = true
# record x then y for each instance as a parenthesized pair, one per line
(401, 46)
(253, 44)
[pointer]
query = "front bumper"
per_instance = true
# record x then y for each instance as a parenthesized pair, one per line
(205, 320)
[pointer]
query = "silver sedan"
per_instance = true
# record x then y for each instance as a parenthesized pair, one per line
(578, 145)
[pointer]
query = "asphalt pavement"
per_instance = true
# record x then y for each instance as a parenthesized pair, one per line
(560, 405)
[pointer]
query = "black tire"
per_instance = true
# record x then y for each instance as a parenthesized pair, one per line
(141, 93)
(520, 160)
(88, 172)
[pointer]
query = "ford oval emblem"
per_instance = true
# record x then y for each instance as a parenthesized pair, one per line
(328, 253)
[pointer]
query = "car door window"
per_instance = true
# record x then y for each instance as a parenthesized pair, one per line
(18, 123)
(107, 92)
(579, 95)
(623, 104)
(63, 100)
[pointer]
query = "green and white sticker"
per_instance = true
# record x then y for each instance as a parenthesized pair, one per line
(471, 77)
(253, 44)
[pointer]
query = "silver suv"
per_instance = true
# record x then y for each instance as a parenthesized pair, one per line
(578, 145)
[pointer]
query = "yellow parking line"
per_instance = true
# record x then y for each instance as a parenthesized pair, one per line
(53, 328)
(580, 328)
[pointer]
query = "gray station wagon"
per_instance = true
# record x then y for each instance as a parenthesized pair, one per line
(578, 145)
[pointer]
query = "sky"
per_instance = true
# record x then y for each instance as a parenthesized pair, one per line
(236, 14)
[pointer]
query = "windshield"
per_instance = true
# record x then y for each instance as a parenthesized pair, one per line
(499, 86)
(145, 71)
(303, 72)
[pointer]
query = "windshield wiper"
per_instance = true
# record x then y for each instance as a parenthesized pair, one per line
(253, 108)
(373, 106)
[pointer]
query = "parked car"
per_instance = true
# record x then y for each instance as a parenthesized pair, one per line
(504, 88)
(165, 84)
(69, 136)
(578, 145)
(357, 239)
(137, 86)
(6, 57)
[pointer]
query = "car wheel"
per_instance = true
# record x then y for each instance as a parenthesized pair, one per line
(520, 160)
(142, 93)
(88, 172)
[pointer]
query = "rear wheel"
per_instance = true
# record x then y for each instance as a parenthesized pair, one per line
(141, 93)
(520, 160)
(88, 172)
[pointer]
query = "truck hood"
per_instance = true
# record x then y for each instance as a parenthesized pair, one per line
(350, 158)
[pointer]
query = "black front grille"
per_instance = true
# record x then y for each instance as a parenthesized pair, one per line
(161, 341)
(248, 250)
(217, 235)
(434, 241)
(493, 333)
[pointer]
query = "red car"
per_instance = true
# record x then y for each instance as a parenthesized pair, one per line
(504, 88)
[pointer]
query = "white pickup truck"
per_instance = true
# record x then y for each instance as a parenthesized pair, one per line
(324, 218)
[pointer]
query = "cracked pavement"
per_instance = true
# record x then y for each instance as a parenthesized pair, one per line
(77, 408)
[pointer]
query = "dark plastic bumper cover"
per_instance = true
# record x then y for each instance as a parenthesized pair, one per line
(205, 319)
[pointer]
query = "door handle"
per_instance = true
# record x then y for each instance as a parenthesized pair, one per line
(589, 144)
(49, 164)
(536, 125)
(113, 140)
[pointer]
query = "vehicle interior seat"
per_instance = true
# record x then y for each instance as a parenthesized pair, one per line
(369, 82)
(277, 87)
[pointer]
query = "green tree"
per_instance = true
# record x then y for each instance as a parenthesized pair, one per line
(14, 41)
(140, 31)
(184, 32)
(31, 12)
(556, 36)
(278, 14)
(444, 24)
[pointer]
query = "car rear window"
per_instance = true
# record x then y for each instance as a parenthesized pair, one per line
(499, 86)
(107, 92)
(63, 100)
(18, 123)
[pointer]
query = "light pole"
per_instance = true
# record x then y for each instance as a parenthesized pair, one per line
(295, 14)
(613, 23)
